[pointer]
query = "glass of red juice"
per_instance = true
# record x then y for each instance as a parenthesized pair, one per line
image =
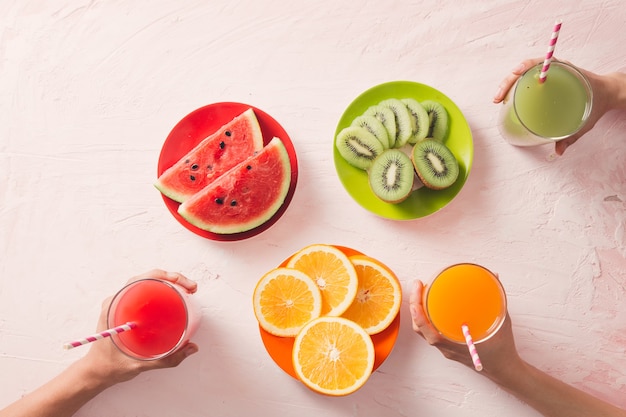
(164, 315)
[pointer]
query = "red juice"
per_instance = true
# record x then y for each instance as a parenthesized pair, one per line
(158, 311)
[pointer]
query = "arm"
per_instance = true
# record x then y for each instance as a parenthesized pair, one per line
(609, 93)
(503, 365)
(62, 396)
(102, 367)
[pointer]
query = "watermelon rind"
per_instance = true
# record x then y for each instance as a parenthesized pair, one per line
(232, 143)
(258, 187)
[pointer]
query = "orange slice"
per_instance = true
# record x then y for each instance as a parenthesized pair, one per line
(333, 356)
(333, 272)
(378, 296)
(285, 300)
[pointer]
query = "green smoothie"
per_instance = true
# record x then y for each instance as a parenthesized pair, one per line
(556, 108)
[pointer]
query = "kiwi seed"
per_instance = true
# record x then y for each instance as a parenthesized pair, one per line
(375, 127)
(435, 164)
(402, 118)
(358, 146)
(391, 176)
(438, 119)
(420, 121)
(387, 118)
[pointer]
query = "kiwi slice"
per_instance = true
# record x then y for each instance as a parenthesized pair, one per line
(391, 176)
(438, 119)
(420, 121)
(358, 146)
(387, 118)
(375, 127)
(402, 118)
(434, 164)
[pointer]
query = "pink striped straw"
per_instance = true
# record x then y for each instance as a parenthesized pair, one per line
(101, 335)
(550, 53)
(472, 349)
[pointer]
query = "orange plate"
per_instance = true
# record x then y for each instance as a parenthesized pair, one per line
(280, 348)
(201, 123)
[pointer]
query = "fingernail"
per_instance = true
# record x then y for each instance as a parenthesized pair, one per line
(190, 350)
(498, 96)
(519, 68)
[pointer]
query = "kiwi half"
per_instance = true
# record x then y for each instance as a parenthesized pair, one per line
(358, 146)
(435, 164)
(437, 118)
(386, 117)
(391, 176)
(420, 121)
(402, 118)
(375, 127)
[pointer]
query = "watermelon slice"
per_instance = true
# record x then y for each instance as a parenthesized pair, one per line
(232, 143)
(246, 196)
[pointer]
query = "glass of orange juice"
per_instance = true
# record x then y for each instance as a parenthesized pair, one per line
(469, 294)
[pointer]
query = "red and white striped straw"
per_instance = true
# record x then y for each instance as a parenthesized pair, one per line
(101, 335)
(472, 349)
(550, 53)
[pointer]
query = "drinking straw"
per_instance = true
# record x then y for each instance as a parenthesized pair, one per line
(472, 349)
(551, 45)
(101, 335)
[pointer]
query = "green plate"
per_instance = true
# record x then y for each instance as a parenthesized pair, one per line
(422, 201)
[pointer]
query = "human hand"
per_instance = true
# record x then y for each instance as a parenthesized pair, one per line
(603, 98)
(497, 354)
(109, 365)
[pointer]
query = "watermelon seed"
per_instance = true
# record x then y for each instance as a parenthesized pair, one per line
(219, 201)
(192, 177)
(227, 133)
(249, 167)
(222, 144)
(194, 167)
(233, 203)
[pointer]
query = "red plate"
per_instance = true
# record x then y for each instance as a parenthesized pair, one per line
(280, 348)
(199, 124)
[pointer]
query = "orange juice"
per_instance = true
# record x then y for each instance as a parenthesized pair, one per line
(466, 294)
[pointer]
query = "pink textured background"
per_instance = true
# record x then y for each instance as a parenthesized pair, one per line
(90, 89)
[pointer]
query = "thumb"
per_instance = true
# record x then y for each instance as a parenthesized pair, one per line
(562, 145)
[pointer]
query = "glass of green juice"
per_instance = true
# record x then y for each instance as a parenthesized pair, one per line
(535, 113)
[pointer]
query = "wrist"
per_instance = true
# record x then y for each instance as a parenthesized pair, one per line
(91, 376)
(507, 374)
(615, 86)
(620, 88)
